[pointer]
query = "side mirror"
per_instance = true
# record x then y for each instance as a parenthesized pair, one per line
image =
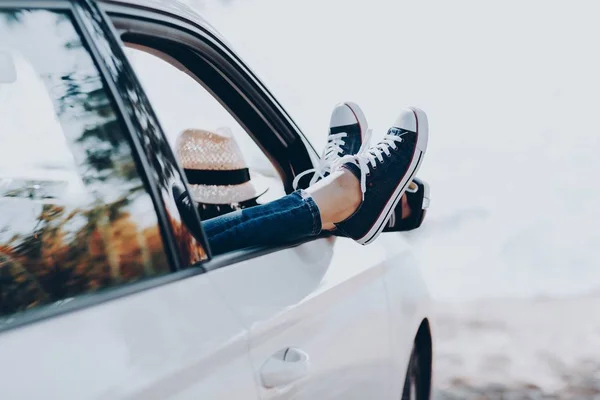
(8, 72)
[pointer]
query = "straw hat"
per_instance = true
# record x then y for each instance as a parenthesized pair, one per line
(215, 168)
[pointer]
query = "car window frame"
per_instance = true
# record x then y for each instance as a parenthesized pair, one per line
(154, 23)
(81, 12)
(140, 25)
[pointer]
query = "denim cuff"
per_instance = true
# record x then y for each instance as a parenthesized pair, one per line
(314, 211)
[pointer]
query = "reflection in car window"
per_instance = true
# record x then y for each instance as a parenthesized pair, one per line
(75, 216)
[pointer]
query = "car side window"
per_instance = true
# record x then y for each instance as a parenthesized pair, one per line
(75, 216)
(183, 104)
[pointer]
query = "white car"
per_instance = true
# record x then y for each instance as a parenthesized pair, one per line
(104, 293)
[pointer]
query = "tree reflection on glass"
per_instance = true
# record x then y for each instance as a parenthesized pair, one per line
(66, 227)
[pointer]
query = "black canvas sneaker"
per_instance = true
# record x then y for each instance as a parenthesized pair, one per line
(385, 171)
(417, 196)
(348, 133)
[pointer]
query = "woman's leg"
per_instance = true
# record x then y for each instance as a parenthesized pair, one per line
(291, 217)
(356, 199)
(300, 214)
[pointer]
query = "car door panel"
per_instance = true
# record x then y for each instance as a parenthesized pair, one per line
(177, 341)
(325, 298)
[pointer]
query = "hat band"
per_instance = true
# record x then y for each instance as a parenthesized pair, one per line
(216, 177)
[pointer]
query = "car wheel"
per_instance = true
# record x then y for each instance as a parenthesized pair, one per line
(416, 386)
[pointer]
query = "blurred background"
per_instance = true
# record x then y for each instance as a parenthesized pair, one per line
(512, 91)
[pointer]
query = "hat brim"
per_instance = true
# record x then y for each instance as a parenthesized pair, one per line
(230, 194)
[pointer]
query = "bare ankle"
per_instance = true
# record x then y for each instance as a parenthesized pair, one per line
(351, 187)
(338, 196)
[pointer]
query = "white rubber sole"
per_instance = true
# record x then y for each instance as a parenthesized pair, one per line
(425, 195)
(421, 147)
(426, 192)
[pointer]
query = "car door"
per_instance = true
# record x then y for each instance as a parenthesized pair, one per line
(95, 298)
(316, 312)
(318, 320)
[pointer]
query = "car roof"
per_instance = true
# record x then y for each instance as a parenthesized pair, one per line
(173, 7)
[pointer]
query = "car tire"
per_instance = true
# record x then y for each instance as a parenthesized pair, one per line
(416, 385)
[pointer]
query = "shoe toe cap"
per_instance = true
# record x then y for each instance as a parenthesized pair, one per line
(342, 115)
(406, 120)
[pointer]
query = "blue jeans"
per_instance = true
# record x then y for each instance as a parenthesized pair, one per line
(290, 218)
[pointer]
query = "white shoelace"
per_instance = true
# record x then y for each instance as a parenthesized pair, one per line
(368, 159)
(330, 155)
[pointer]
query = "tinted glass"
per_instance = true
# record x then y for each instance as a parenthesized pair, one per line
(75, 216)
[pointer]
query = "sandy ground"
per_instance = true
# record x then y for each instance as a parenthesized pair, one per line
(518, 349)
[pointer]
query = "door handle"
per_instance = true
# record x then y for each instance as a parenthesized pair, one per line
(284, 367)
